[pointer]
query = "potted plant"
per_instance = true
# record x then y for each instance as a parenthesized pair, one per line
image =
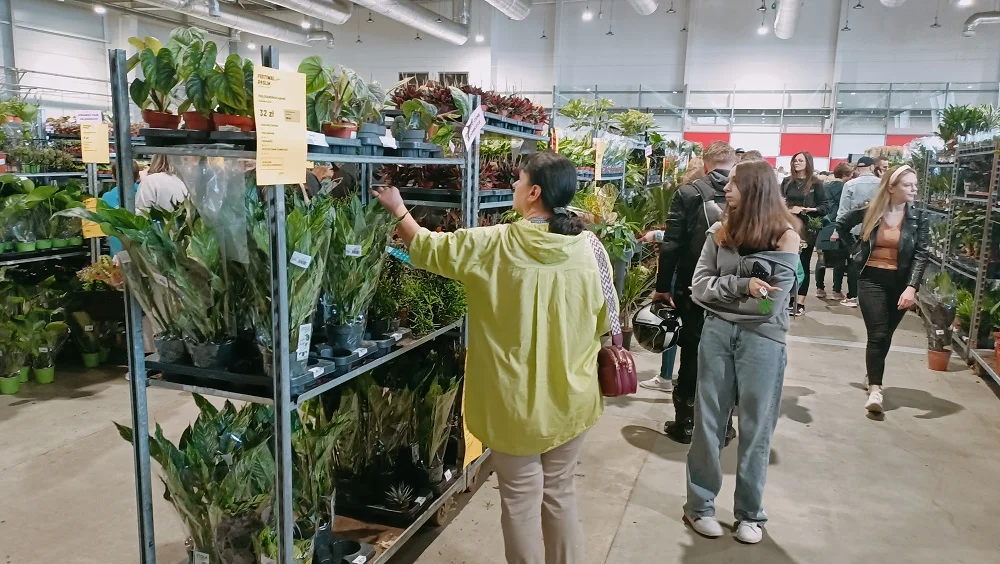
(383, 313)
(336, 99)
(232, 86)
(308, 241)
(10, 379)
(434, 415)
(196, 63)
(354, 265)
(48, 340)
(154, 93)
(938, 297)
(634, 123)
(637, 284)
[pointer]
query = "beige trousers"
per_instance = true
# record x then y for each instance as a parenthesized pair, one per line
(539, 515)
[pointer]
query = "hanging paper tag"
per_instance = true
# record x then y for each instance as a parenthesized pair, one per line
(305, 339)
(88, 328)
(447, 475)
(360, 351)
(475, 125)
(419, 501)
(200, 558)
(301, 260)
(43, 349)
(939, 332)
(352, 250)
(397, 337)
(649, 152)
(361, 559)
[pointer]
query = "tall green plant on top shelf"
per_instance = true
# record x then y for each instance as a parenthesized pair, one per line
(634, 122)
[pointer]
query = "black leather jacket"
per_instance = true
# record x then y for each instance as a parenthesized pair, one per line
(914, 237)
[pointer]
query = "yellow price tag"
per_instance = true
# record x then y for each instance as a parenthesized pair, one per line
(94, 141)
(279, 105)
(600, 145)
(91, 230)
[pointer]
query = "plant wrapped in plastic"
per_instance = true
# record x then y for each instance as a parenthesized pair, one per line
(307, 234)
(434, 417)
(11, 352)
(219, 476)
(315, 434)
(357, 253)
(23, 215)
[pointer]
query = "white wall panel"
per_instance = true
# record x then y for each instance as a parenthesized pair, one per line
(844, 144)
(769, 144)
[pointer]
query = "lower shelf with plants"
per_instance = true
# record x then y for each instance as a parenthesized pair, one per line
(377, 448)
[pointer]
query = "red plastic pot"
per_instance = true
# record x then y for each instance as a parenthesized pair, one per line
(339, 130)
(161, 120)
(243, 122)
(197, 122)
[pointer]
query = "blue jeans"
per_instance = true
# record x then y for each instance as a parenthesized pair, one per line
(667, 363)
(733, 362)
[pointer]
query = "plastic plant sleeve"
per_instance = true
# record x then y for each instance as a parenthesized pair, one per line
(217, 188)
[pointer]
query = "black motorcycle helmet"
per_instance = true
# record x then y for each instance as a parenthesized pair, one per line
(656, 326)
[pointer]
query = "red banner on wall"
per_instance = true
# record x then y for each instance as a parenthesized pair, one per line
(706, 137)
(900, 140)
(816, 143)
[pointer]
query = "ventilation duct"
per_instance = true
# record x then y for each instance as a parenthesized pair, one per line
(420, 18)
(644, 7)
(978, 19)
(333, 11)
(245, 21)
(893, 3)
(787, 18)
(513, 9)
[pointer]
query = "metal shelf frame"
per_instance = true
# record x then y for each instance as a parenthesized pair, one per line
(282, 399)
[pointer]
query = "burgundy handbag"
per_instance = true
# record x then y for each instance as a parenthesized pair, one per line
(615, 366)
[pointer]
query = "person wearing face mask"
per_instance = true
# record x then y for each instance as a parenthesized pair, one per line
(806, 199)
(890, 255)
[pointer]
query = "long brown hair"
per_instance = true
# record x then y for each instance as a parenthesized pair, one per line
(762, 217)
(810, 172)
(880, 203)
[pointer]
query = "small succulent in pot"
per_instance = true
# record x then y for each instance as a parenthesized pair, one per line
(399, 496)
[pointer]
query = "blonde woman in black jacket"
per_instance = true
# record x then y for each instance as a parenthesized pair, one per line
(891, 255)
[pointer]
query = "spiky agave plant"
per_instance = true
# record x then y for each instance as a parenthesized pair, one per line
(399, 496)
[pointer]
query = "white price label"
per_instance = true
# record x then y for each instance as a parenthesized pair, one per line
(88, 328)
(305, 339)
(361, 559)
(161, 279)
(316, 371)
(200, 558)
(352, 250)
(360, 351)
(419, 501)
(301, 260)
(475, 125)
(397, 337)
(447, 475)
(649, 151)
(318, 139)
(91, 116)
(43, 349)
(939, 331)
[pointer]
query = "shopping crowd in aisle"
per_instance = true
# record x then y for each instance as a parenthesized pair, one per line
(735, 260)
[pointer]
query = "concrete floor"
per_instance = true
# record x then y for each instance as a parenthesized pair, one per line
(918, 486)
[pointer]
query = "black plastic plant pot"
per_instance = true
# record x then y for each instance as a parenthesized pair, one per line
(435, 474)
(170, 350)
(417, 135)
(211, 355)
(295, 367)
(345, 337)
(371, 129)
(380, 327)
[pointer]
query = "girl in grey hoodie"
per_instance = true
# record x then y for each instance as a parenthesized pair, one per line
(745, 275)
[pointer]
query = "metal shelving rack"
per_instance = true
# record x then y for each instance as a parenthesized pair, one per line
(280, 395)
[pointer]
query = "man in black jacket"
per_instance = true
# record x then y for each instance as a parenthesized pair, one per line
(695, 208)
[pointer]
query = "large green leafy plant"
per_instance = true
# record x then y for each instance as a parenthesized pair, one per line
(335, 95)
(634, 122)
(232, 86)
(357, 253)
(155, 90)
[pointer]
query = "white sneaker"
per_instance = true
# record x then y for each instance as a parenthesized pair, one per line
(749, 532)
(849, 302)
(874, 403)
(706, 526)
(658, 384)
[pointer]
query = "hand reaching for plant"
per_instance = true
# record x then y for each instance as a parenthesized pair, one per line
(390, 199)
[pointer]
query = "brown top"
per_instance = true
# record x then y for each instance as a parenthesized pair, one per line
(886, 248)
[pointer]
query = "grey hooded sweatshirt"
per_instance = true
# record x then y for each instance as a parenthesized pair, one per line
(722, 278)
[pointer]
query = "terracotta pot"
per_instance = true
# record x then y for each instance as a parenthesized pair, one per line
(339, 130)
(161, 120)
(3, 162)
(197, 122)
(243, 122)
(938, 360)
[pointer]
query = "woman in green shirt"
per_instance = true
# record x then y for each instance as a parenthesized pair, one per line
(536, 315)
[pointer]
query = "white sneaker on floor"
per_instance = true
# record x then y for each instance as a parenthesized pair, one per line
(658, 384)
(749, 532)
(874, 403)
(706, 526)
(849, 302)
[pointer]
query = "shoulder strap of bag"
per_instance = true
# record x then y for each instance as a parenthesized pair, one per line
(609, 294)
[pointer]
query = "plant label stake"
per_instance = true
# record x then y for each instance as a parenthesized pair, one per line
(352, 250)
(305, 339)
(200, 558)
(300, 260)
(361, 559)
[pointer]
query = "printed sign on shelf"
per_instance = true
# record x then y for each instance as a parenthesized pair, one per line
(94, 143)
(475, 125)
(91, 229)
(318, 139)
(599, 147)
(279, 106)
(89, 116)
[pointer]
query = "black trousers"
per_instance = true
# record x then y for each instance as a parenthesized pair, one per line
(852, 278)
(879, 291)
(806, 255)
(693, 317)
(837, 260)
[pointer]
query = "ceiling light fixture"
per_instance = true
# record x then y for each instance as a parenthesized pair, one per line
(480, 38)
(370, 20)
(671, 9)
(358, 40)
(858, 6)
(359, 32)
(306, 24)
(587, 14)
(251, 45)
(418, 38)
(847, 21)
(600, 10)
(100, 9)
(762, 30)
(965, 3)
(937, 12)
(611, 21)
(685, 28)
(763, 6)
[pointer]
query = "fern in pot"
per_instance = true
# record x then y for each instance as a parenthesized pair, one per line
(354, 265)
(307, 233)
